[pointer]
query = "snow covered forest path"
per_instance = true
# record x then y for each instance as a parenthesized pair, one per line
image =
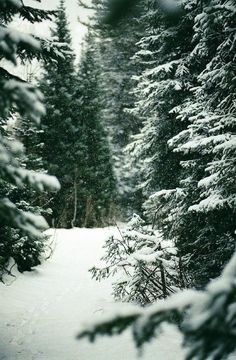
(41, 311)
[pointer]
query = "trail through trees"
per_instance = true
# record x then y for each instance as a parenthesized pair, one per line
(42, 311)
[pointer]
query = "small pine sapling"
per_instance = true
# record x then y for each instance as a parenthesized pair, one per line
(144, 266)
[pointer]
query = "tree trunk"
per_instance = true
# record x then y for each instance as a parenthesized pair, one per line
(163, 280)
(75, 199)
(88, 212)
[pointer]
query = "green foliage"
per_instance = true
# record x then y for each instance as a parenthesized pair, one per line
(76, 148)
(185, 95)
(118, 9)
(203, 221)
(117, 46)
(209, 319)
(185, 147)
(21, 227)
(144, 267)
(10, 8)
(60, 124)
(163, 82)
(26, 251)
(95, 171)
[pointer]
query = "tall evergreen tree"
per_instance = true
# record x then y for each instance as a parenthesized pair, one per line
(116, 47)
(75, 144)
(203, 214)
(95, 172)
(60, 124)
(21, 227)
(163, 83)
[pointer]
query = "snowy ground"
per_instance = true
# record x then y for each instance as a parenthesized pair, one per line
(42, 311)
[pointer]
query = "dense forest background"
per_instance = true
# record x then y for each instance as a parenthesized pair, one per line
(143, 125)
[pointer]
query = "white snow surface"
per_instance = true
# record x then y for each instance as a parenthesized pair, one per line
(41, 311)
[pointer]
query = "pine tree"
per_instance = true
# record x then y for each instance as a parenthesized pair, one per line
(25, 243)
(203, 214)
(144, 268)
(95, 172)
(75, 144)
(211, 117)
(60, 124)
(116, 46)
(163, 83)
(166, 112)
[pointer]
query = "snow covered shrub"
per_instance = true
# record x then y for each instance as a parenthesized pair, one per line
(144, 267)
(25, 251)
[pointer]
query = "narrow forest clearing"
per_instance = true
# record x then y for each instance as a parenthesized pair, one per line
(41, 311)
